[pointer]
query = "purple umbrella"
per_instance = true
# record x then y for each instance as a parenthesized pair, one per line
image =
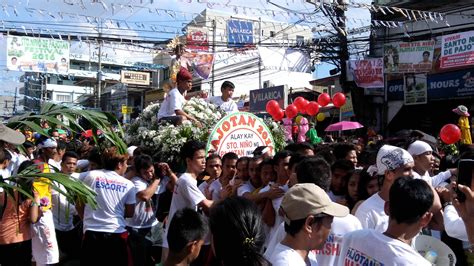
(344, 125)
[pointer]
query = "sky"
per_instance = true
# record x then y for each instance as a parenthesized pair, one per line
(149, 19)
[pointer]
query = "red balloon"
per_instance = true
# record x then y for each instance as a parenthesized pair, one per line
(272, 107)
(312, 108)
(291, 111)
(300, 103)
(450, 134)
(339, 99)
(279, 115)
(324, 99)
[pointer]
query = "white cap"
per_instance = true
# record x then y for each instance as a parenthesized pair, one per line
(130, 150)
(419, 147)
(390, 158)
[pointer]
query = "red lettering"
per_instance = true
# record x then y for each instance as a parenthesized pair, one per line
(260, 129)
(335, 250)
(233, 118)
(242, 120)
(264, 135)
(216, 142)
(251, 121)
(226, 126)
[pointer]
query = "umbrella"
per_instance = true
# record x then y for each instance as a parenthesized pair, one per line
(344, 125)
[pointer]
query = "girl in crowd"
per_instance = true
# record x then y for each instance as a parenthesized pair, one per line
(368, 185)
(237, 232)
(351, 190)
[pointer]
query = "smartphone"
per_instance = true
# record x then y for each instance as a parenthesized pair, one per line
(465, 174)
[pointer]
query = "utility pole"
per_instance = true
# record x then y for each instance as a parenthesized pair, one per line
(342, 33)
(99, 67)
(213, 52)
(14, 101)
(259, 58)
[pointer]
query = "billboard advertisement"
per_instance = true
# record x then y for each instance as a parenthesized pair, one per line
(409, 57)
(457, 50)
(37, 55)
(368, 73)
(239, 33)
(197, 39)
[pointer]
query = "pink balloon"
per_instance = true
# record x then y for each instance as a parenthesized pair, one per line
(339, 99)
(291, 111)
(324, 99)
(450, 134)
(312, 108)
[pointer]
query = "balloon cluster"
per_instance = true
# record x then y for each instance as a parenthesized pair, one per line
(303, 106)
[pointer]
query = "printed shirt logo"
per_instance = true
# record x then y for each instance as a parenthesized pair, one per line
(354, 257)
(332, 247)
(393, 159)
(114, 185)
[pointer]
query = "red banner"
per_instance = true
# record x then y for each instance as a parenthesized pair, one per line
(197, 39)
(367, 73)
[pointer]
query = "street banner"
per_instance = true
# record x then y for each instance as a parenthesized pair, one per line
(457, 50)
(367, 73)
(197, 39)
(37, 55)
(240, 133)
(259, 98)
(201, 62)
(415, 90)
(239, 33)
(409, 57)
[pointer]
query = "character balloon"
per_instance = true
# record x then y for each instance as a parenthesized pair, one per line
(303, 128)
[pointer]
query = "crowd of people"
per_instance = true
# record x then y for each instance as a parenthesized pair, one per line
(361, 202)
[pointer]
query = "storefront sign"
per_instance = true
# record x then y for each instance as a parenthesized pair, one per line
(239, 33)
(37, 55)
(259, 98)
(367, 73)
(415, 89)
(457, 50)
(240, 133)
(451, 85)
(197, 39)
(409, 57)
(135, 77)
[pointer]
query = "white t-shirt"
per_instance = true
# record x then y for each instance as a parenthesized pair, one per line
(113, 192)
(145, 211)
(331, 249)
(55, 164)
(173, 101)
(369, 247)
(63, 210)
(453, 224)
(435, 180)
(286, 256)
(371, 214)
(278, 219)
(186, 195)
(215, 188)
(228, 106)
(246, 187)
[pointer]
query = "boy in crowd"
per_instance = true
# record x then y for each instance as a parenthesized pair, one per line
(392, 162)
(214, 170)
(186, 192)
(186, 234)
(341, 170)
(308, 214)
(408, 209)
(229, 162)
(67, 234)
(225, 102)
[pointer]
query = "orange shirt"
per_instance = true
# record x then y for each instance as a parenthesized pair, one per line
(15, 224)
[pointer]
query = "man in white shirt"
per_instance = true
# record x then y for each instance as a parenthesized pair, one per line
(229, 162)
(171, 109)
(308, 214)
(408, 208)
(225, 101)
(392, 162)
(423, 157)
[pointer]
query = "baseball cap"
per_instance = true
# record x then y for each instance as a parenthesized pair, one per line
(306, 199)
(390, 158)
(184, 75)
(419, 147)
(11, 136)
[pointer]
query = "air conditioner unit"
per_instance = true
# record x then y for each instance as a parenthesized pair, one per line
(267, 84)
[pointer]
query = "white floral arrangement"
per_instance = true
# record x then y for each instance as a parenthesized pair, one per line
(277, 132)
(166, 140)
